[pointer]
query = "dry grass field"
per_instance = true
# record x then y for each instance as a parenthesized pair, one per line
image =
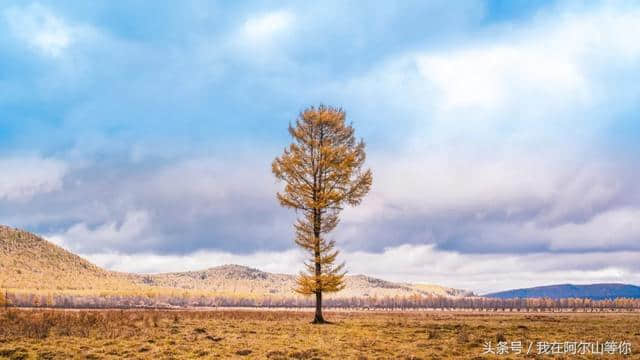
(136, 334)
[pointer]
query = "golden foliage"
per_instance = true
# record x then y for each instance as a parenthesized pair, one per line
(323, 171)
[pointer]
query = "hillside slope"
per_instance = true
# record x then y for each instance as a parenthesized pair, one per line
(592, 291)
(441, 290)
(29, 262)
(239, 279)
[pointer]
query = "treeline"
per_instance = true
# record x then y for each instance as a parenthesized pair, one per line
(414, 302)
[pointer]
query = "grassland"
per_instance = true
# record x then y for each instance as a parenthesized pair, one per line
(38, 334)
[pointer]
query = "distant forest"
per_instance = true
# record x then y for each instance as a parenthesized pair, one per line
(414, 302)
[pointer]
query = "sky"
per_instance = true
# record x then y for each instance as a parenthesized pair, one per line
(503, 135)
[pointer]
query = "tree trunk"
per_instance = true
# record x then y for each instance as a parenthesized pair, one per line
(318, 319)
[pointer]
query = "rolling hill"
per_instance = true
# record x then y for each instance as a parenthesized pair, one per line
(31, 263)
(592, 291)
(239, 279)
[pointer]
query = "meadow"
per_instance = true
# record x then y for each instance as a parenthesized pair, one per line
(279, 334)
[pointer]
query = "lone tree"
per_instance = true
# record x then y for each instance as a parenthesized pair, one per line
(323, 171)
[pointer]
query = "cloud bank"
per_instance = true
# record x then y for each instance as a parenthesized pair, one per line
(502, 141)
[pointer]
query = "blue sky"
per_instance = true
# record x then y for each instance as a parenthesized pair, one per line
(503, 135)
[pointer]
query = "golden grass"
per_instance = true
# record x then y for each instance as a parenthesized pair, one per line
(114, 334)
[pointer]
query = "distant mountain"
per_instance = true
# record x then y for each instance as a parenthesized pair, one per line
(441, 290)
(593, 291)
(29, 263)
(237, 279)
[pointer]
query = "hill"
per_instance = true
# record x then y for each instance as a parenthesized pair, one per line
(239, 279)
(441, 290)
(31, 263)
(592, 291)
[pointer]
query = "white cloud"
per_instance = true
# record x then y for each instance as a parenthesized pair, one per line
(46, 33)
(261, 40)
(517, 182)
(512, 201)
(555, 59)
(211, 179)
(503, 146)
(261, 30)
(277, 262)
(132, 228)
(487, 77)
(492, 272)
(24, 177)
(552, 70)
(613, 228)
(43, 31)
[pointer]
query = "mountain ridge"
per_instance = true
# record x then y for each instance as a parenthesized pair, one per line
(247, 280)
(30, 262)
(597, 291)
